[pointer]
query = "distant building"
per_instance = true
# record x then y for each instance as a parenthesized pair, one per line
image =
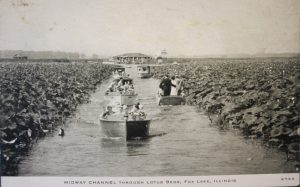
(132, 58)
(20, 57)
(164, 53)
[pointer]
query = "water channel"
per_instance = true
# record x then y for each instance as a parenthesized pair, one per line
(187, 145)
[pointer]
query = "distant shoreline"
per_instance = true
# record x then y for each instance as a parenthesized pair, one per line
(8, 54)
(169, 60)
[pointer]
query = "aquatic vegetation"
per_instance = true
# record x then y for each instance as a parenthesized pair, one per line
(260, 96)
(36, 98)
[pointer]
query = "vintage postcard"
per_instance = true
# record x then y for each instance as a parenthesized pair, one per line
(149, 93)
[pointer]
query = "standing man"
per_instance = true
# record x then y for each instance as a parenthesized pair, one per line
(166, 85)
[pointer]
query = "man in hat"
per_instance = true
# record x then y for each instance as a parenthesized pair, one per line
(137, 112)
(166, 85)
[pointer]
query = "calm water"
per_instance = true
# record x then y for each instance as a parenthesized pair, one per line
(189, 146)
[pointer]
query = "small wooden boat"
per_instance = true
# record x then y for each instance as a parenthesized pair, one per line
(126, 129)
(144, 71)
(170, 100)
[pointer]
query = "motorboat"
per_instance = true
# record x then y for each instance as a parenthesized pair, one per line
(119, 72)
(121, 127)
(144, 71)
(170, 100)
(123, 97)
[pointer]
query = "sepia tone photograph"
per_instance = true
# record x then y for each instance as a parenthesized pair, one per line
(160, 88)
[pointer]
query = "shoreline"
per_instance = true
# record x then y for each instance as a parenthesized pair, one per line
(40, 99)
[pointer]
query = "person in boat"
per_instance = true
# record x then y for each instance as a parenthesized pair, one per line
(121, 82)
(125, 86)
(179, 85)
(166, 85)
(129, 90)
(131, 85)
(123, 74)
(124, 111)
(137, 112)
(107, 112)
(120, 85)
(111, 87)
(116, 74)
(173, 86)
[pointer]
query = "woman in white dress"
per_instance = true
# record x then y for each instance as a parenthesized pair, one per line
(174, 85)
(179, 85)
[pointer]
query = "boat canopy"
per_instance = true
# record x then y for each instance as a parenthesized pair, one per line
(119, 69)
(119, 72)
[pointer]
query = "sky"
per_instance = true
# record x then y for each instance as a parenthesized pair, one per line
(181, 27)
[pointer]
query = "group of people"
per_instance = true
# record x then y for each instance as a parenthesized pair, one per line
(122, 86)
(136, 112)
(171, 86)
(119, 73)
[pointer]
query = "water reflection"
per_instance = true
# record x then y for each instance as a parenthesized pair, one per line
(135, 143)
(138, 148)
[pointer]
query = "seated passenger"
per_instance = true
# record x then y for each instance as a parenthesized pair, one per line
(130, 90)
(125, 112)
(107, 112)
(120, 85)
(136, 112)
(142, 114)
(126, 86)
(111, 87)
(121, 82)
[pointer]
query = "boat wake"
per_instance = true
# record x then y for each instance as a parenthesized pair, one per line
(112, 138)
(147, 98)
(108, 141)
(157, 134)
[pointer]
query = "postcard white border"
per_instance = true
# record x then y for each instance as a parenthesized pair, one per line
(287, 179)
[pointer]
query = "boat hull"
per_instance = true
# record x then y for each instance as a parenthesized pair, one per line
(144, 71)
(170, 100)
(145, 75)
(113, 129)
(137, 129)
(122, 99)
(125, 129)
